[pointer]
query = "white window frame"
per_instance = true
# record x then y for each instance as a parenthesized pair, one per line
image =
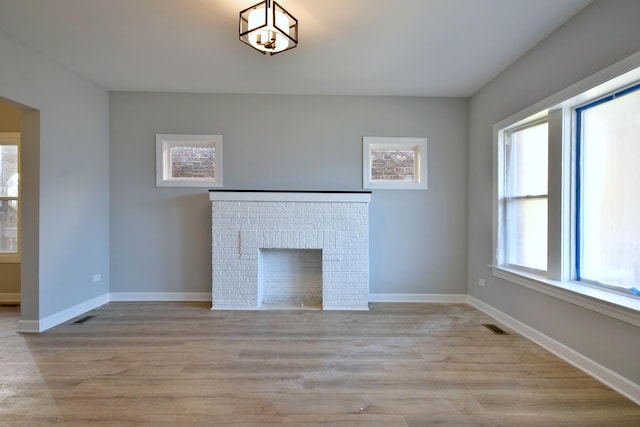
(560, 278)
(13, 138)
(164, 142)
(417, 144)
(504, 198)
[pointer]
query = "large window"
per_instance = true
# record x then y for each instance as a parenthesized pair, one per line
(567, 196)
(608, 190)
(9, 197)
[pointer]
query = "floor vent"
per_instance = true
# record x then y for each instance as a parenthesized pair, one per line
(84, 319)
(496, 329)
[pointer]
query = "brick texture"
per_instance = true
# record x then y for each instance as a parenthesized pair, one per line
(241, 229)
(193, 162)
(392, 164)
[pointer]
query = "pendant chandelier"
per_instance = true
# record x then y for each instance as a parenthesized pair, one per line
(268, 28)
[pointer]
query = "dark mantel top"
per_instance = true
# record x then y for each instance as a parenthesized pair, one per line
(320, 196)
(292, 191)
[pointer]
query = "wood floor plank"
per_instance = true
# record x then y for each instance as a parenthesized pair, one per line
(396, 365)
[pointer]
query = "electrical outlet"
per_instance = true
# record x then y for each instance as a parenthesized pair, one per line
(96, 277)
(481, 282)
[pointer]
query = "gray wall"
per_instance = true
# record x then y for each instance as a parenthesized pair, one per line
(604, 33)
(9, 272)
(160, 237)
(65, 182)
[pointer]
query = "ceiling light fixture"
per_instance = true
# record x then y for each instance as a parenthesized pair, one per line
(268, 28)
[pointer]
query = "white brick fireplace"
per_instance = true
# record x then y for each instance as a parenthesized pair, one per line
(293, 248)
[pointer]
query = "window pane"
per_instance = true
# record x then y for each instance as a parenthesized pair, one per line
(527, 153)
(526, 224)
(390, 164)
(526, 197)
(193, 162)
(9, 170)
(610, 199)
(8, 226)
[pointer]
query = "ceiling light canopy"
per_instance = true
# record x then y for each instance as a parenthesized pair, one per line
(268, 28)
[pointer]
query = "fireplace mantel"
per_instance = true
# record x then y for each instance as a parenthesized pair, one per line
(290, 196)
(249, 225)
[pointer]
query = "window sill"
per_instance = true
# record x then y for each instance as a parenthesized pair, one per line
(9, 259)
(186, 182)
(611, 304)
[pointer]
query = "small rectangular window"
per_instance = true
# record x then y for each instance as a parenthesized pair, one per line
(188, 160)
(608, 191)
(394, 163)
(193, 162)
(525, 196)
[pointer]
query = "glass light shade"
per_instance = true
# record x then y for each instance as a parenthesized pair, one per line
(268, 28)
(261, 39)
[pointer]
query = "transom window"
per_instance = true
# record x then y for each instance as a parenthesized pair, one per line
(188, 160)
(399, 163)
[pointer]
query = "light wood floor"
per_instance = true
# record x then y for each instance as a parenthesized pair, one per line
(397, 365)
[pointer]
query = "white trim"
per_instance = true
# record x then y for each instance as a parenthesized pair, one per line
(10, 297)
(610, 304)
(10, 138)
(11, 258)
(605, 375)
(29, 326)
(419, 298)
(163, 166)
(294, 196)
(160, 296)
(418, 145)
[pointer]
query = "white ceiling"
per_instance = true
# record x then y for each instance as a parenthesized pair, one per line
(356, 47)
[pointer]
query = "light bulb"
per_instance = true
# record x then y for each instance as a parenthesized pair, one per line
(268, 39)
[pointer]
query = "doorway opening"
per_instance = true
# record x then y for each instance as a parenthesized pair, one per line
(19, 217)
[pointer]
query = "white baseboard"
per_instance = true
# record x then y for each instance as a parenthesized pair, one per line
(35, 326)
(160, 296)
(206, 297)
(10, 297)
(605, 375)
(433, 298)
(29, 326)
